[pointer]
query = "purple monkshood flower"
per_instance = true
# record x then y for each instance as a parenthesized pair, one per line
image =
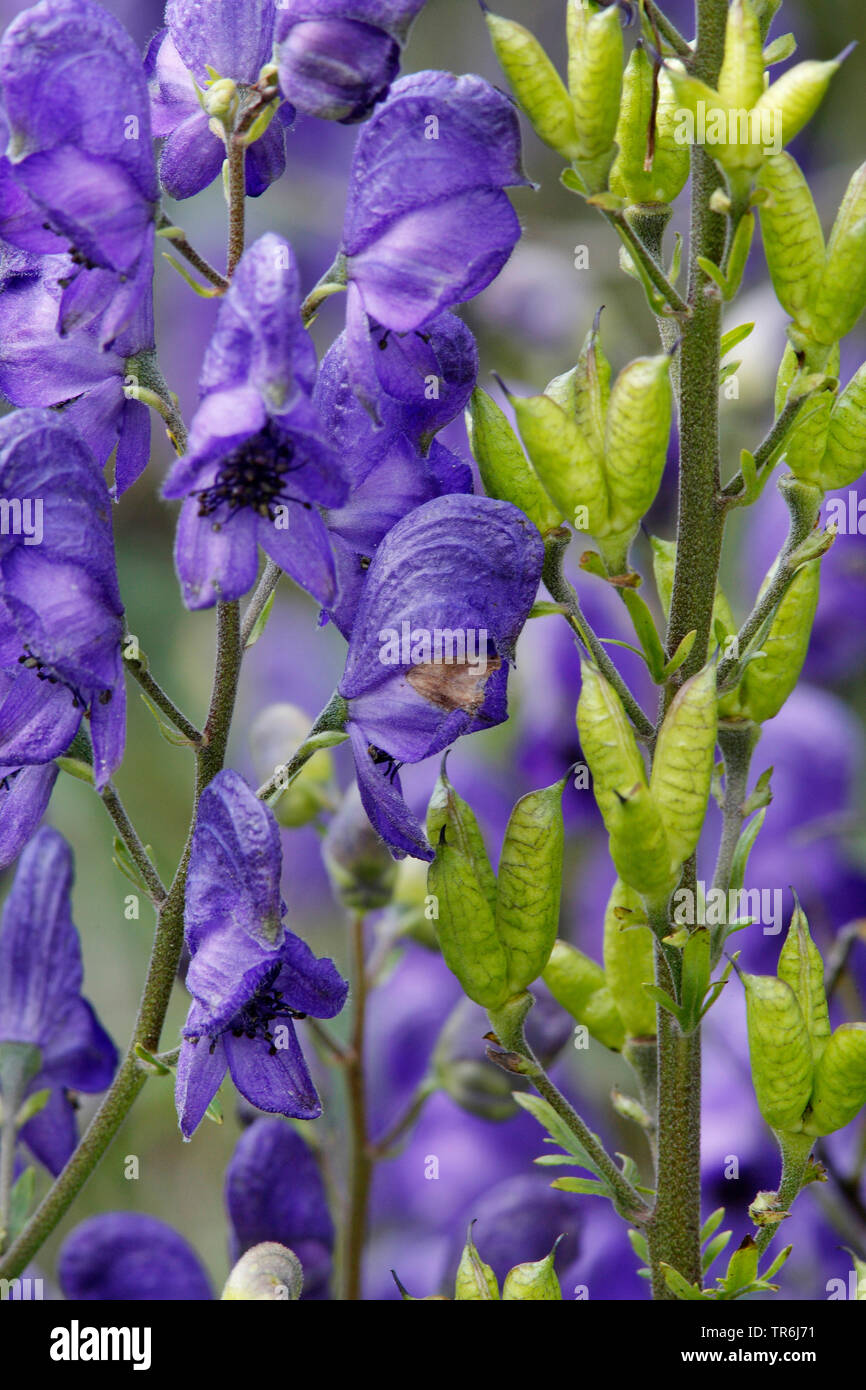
(425, 379)
(337, 58)
(457, 567)
(258, 467)
(273, 1192)
(235, 39)
(249, 976)
(75, 97)
(41, 1006)
(427, 224)
(38, 367)
(61, 618)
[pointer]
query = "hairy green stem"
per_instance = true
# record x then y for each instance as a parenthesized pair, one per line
(155, 693)
(332, 719)
(214, 739)
(640, 252)
(178, 239)
(362, 1161)
(129, 835)
(267, 584)
(796, 1149)
(237, 192)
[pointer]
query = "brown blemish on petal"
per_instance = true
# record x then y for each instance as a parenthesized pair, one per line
(453, 685)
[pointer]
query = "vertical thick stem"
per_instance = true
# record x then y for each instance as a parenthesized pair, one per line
(362, 1165)
(236, 153)
(673, 1232)
(212, 750)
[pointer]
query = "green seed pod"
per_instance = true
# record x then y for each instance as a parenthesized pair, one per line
(780, 1053)
(840, 1080)
(584, 392)
(275, 735)
(448, 811)
(505, 471)
(266, 1273)
(845, 456)
(669, 170)
(795, 96)
(470, 943)
(607, 740)
(806, 444)
(629, 961)
(533, 1281)
(703, 102)
(579, 985)
(571, 475)
(741, 80)
(769, 679)
(841, 294)
(636, 439)
(639, 847)
(595, 63)
(683, 764)
(793, 239)
(801, 967)
(529, 883)
(475, 1280)
(536, 84)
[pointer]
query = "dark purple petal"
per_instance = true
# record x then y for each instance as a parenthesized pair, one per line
(234, 38)
(274, 1192)
(277, 1082)
(382, 798)
(266, 159)
(302, 549)
(200, 1071)
(308, 984)
(40, 956)
(128, 1257)
(79, 1054)
(191, 157)
(214, 561)
(37, 721)
(52, 1135)
(23, 800)
(133, 446)
(336, 69)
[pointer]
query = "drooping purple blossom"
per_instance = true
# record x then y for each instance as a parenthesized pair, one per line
(462, 567)
(41, 1004)
(258, 467)
(129, 1257)
(235, 39)
(337, 58)
(249, 976)
(428, 224)
(39, 367)
(75, 98)
(61, 617)
(274, 1192)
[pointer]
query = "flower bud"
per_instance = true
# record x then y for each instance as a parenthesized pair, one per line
(841, 294)
(220, 100)
(470, 1081)
(536, 84)
(475, 1280)
(741, 80)
(683, 763)
(334, 61)
(770, 679)
(572, 475)
(793, 239)
(629, 177)
(267, 1272)
(275, 735)
(845, 456)
(636, 439)
(505, 471)
(361, 870)
(595, 63)
(629, 961)
(579, 985)
(840, 1080)
(533, 1281)
(781, 1055)
(801, 967)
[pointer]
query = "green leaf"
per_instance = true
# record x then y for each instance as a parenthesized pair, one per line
(665, 1001)
(648, 637)
(712, 1224)
(679, 655)
(529, 884)
(715, 274)
(261, 621)
(121, 859)
(681, 1287)
(782, 48)
(714, 1250)
(556, 1127)
(779, 1261)
(32, 1106)
(204, 291)
(734, 337)
(638, 1243)
(168, 731)
(585, 1187)
(761, 795)
(695, 977)
(745, 843)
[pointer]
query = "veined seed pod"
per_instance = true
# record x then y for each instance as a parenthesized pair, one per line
(449, 812)
(629, 961)
(475, 1280)
(570, 473)
(532, 1281)
(536, 84)
(666, 177)
(793, 239)
(769, 679)
(529, 883)
(840, 1080)
(636, 439)
(584, 392)
(794, 97)
(845, 456)
(595, 63)
(607, 740)
(471, 946)
(683, 764)
(579, 985)
(841, 294)
(505, 471)
(638, 845)
(741, 80)
(781, 1056)
(801, 967)
(807, 441)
